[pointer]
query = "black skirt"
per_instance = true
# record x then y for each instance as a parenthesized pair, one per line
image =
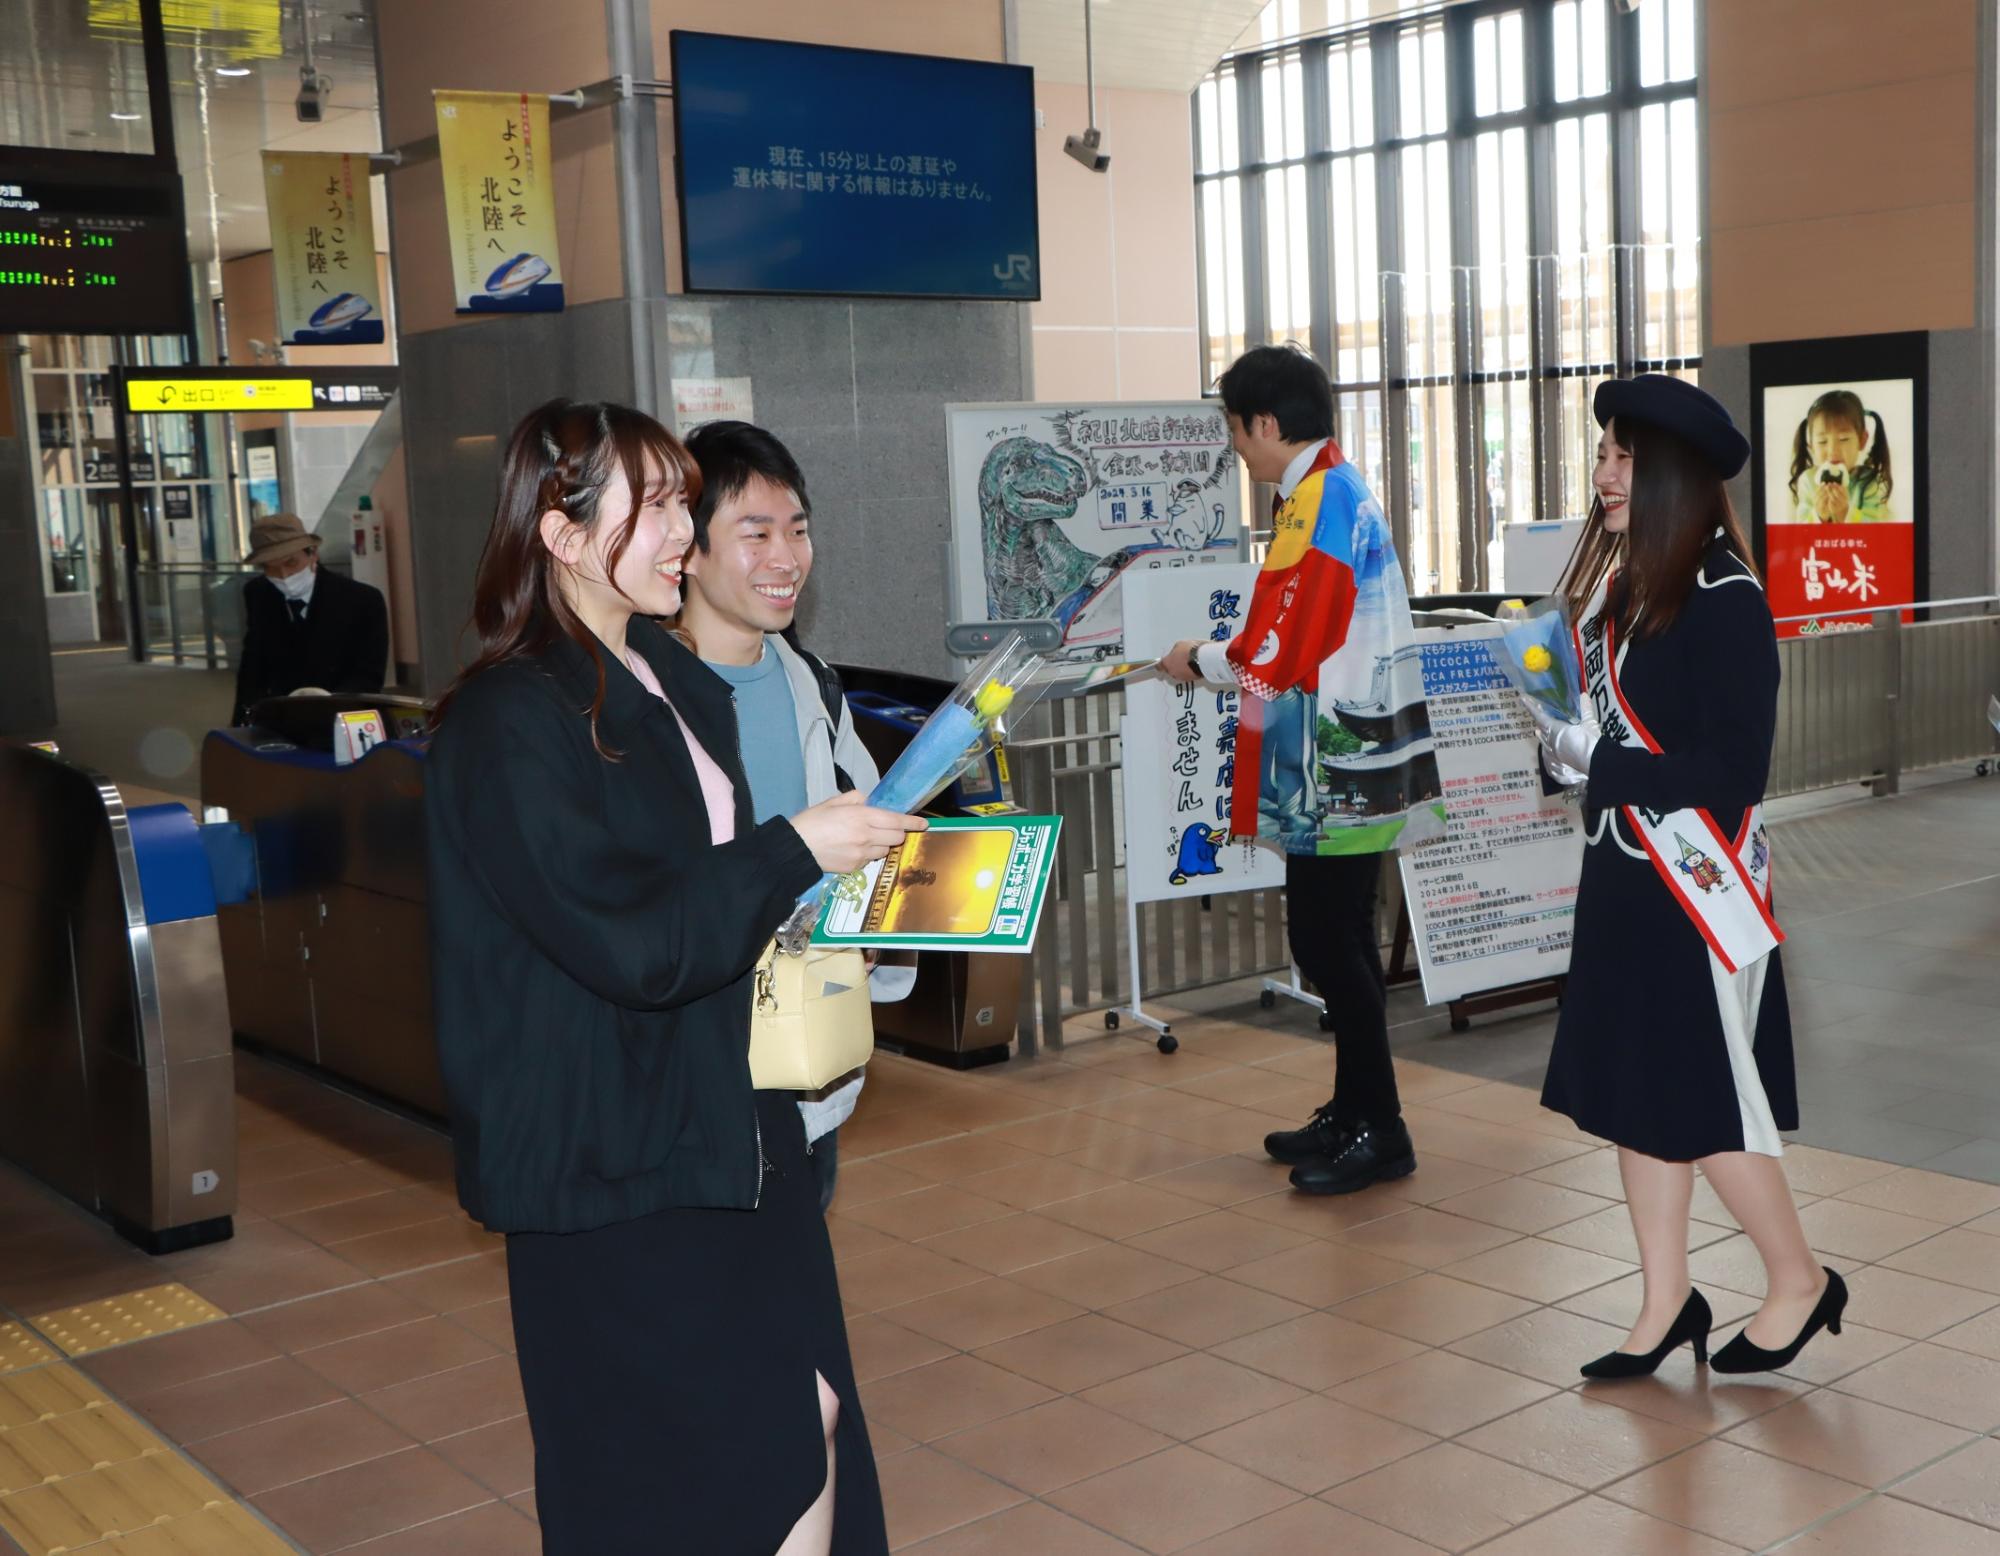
(668, 1365)
(1658, 1047)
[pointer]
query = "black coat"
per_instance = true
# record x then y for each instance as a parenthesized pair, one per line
(1641, 1054)
(591, 951)
(341, 646)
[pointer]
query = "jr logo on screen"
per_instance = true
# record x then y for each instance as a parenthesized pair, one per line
(1016, 269)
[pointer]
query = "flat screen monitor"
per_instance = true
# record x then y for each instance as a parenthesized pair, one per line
(90, 244)
(805, 169)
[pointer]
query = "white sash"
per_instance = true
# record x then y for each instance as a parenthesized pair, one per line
(1725, 890)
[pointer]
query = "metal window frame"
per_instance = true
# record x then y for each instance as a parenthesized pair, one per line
(1623, 103)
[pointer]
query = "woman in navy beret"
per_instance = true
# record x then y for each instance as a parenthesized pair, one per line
(1675, 1038)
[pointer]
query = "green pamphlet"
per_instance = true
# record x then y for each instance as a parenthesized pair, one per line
(966, 884)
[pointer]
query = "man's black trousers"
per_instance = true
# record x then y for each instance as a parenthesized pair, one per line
(1330, 911)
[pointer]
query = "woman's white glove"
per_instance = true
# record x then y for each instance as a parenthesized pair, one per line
(1567, 746)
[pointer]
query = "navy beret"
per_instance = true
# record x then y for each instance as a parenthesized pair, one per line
(1681, 408)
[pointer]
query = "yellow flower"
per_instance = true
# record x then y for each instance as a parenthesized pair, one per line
(1537, 659)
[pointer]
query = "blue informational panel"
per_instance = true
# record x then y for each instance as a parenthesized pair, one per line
(805, 169)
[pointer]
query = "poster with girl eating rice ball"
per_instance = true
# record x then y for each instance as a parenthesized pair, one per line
(1840, 474)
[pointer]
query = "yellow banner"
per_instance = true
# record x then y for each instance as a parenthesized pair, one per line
(499, 201)
(218, 394)
(323, 248)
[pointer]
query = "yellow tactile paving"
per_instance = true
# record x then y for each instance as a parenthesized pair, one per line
(64, 1445)
(222, 1530)
(44, 1392)
(81, 1510)
(137, 1315)
(78, 1471)
(21, 1347)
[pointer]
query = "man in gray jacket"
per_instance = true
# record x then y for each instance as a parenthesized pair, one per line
(741, 586)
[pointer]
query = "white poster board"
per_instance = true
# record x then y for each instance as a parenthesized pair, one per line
(1533, 556)
(1054, 506)
(1493, 901)
(1180, 744)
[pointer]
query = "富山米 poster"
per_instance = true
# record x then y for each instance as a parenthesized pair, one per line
(499, 201)
(1840, 430)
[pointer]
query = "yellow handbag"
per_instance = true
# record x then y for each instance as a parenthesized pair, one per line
(809, 1018)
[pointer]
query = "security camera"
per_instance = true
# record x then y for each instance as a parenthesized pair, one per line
(1085, 148)
(314, 89)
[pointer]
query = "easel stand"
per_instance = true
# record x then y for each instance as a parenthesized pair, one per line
(1167, 1042)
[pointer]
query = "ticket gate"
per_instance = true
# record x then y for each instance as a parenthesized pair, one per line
(117, 1077)
(328, 960)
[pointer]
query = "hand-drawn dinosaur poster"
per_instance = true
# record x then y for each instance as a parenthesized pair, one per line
(1052, 506)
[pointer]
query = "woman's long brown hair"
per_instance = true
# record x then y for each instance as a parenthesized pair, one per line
(1677, 503)
(561, 457)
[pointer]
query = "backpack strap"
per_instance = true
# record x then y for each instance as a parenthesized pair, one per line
(835, 700)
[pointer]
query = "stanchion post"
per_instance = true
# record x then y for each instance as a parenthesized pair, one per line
(1890, 624)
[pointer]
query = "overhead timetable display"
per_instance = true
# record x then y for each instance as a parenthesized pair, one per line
(83, 255)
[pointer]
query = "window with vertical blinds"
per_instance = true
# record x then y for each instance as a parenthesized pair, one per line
(1468, 218)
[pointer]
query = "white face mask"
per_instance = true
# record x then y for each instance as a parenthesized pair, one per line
(296, 586)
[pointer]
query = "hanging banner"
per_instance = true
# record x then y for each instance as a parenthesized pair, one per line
(1180, 743)
(1491, 903)
(323, 248)
(1840, 498)
(499, 201)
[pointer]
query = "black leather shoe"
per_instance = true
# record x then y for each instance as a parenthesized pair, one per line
(1741, 1355)
(1690, 1327)
(1370, 1153)
(1323, 1136)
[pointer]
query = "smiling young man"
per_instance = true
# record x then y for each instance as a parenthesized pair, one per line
(741, 585)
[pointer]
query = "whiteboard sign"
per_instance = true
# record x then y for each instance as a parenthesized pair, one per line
(1179, 745)
(1054, 507)
(1492, 902)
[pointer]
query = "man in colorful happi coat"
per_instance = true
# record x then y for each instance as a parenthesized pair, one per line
(1333, 759)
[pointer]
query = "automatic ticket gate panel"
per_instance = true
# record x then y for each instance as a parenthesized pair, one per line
(117, 1080)
(328, 961)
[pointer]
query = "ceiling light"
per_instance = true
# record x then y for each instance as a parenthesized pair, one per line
(127, 118)
(232, 70)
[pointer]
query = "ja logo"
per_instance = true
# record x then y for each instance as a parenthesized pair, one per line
(1016, 269)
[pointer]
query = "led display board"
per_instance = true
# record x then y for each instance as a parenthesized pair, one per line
(804, 169)
(90, 244)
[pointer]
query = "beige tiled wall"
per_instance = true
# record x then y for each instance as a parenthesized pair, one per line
(1841, 167)
(1118, 318)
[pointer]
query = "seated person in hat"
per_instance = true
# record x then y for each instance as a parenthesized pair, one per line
(303, 625)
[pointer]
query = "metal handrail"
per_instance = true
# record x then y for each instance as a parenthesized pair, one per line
(1909, 605)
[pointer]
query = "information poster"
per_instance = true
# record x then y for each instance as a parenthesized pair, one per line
(1180, 745)
(701, 400)
(1840, 466)
(323, 248)
(499, 201)
(1492, 903)
(1054, 507)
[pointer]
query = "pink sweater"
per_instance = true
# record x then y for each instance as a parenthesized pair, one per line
(716, 789)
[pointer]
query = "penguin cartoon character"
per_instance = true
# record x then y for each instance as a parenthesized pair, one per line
(1198, 848)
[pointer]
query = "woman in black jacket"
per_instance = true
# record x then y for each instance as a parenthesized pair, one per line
(598, 896)
(1675, 1040)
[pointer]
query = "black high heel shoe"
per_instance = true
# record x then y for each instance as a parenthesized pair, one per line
(1690, 1327)
(1741, 1355)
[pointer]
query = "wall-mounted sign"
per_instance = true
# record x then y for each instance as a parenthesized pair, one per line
(90, 244)
(323, 248)
(499, 201)
(699, 400)
(213, 390)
